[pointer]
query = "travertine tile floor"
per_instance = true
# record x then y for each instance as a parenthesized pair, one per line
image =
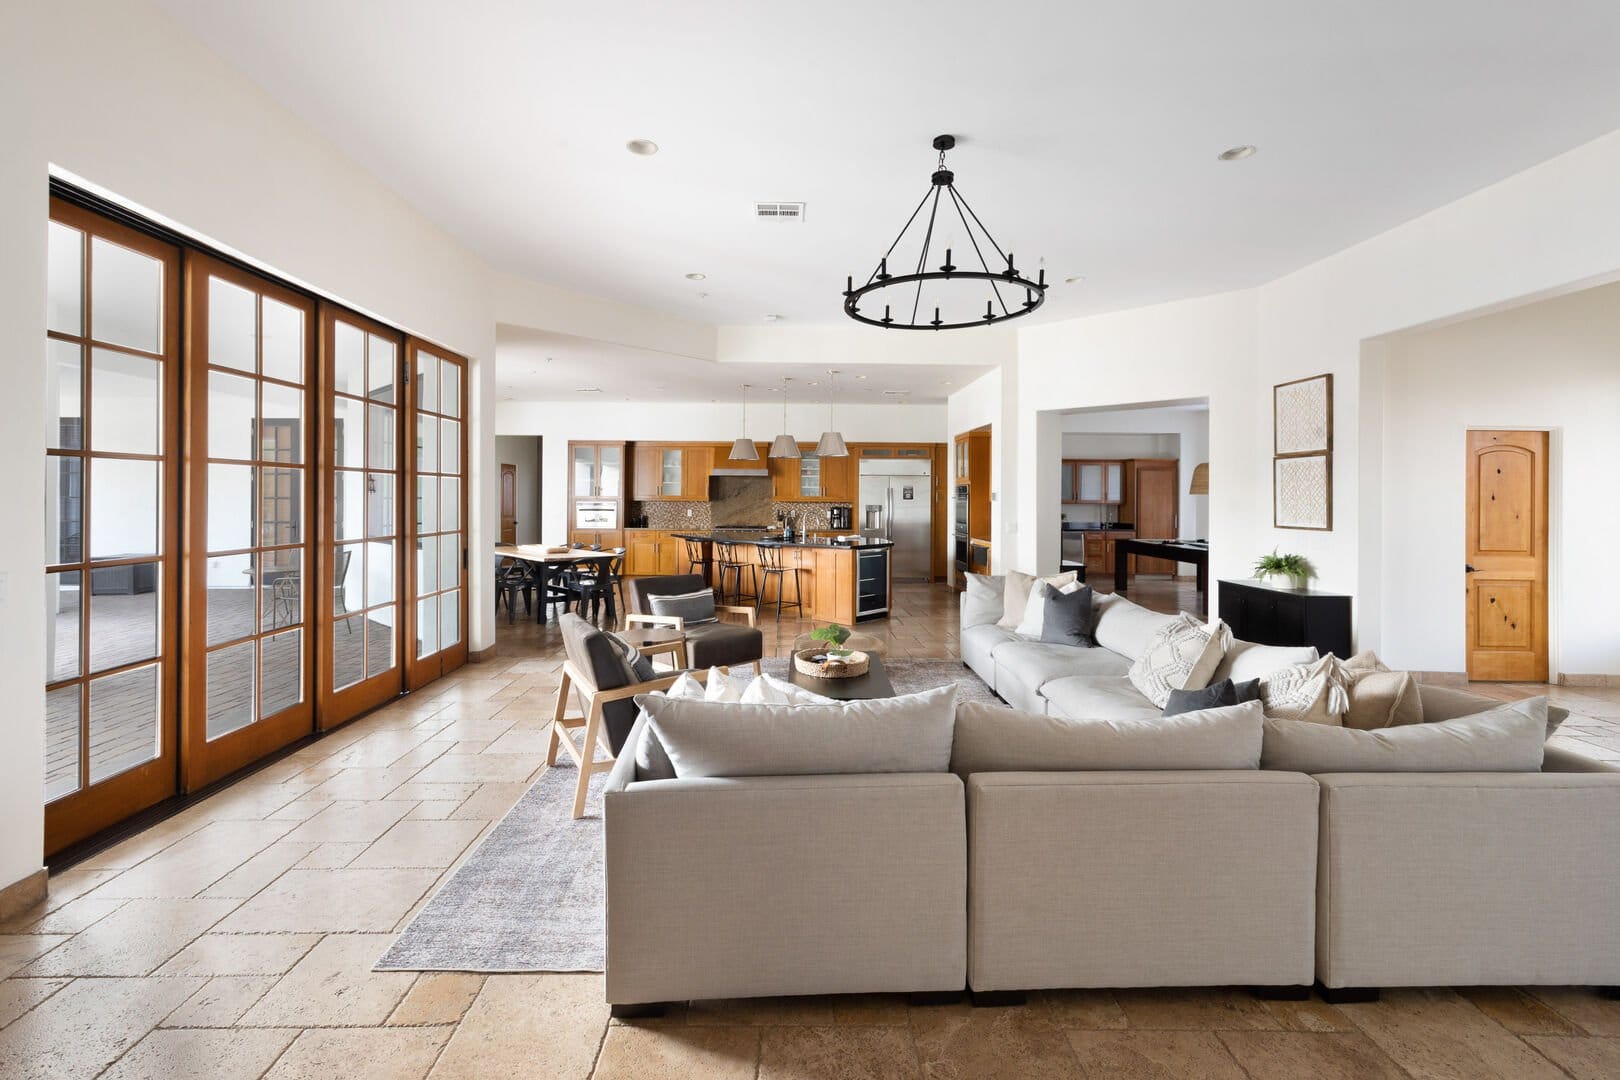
(236, 941)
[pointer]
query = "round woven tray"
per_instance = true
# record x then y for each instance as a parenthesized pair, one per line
(856, 663)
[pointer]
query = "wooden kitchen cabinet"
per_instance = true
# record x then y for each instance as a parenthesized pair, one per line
(602, 538)
(1097, 483)
(724, 460)
(596, 470)
(652, 552)
(663, 472)
(697, 462)
(1099, 548)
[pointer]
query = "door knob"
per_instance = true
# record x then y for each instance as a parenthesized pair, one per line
(1468, 568)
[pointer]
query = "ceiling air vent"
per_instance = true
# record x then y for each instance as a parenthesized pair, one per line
(779, 211)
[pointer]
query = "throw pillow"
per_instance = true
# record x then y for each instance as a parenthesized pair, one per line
(1035, 608)
(686, 685)
(722, 686)
(1182, 656)
(1015, 596)
(990, 738)
(1246, 660)
(1126, 627)
(1068, 618)
(1214, 696)
(911, 733)
(695, 608)
(1313, 692)
(1510, 738)
(982, 601)
(769, 690)
(640, 667)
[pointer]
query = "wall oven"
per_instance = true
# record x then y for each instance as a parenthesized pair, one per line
(596, 514)
(962, 510)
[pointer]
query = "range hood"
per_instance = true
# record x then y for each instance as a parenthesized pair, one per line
(760, 471)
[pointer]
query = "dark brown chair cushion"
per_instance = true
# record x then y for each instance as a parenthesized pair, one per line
(723, 643)
(602, 660)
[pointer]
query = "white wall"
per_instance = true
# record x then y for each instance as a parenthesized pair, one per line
(718, 422)
(975, 405)
(1554, 364)
(113, 92)
(523, 451)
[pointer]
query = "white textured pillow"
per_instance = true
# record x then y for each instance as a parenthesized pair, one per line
(982, 599)
(1034, 620)
(1015, 596)
(1182, 656)
(911, 733)
(723, 686)
(1314, 692)
(1506, 739)
(686, 685)
(990, 738)
(1246, 660)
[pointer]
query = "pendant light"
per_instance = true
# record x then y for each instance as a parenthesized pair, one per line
(785, 446)
(832, 442)
(744, 449)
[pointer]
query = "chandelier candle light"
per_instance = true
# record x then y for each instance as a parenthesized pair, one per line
(1000, 282)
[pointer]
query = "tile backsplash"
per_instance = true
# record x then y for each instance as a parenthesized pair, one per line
(674, 515)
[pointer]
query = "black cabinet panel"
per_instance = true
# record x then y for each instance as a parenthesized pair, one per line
(1268, 616)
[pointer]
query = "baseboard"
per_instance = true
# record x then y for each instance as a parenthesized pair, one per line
(1567, 679)
(1460, 679)
(482, 656)
(19, 896)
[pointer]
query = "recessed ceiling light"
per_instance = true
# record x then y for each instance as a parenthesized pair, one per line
(949, 383)
(695, 276)
(1238, 153)
(1075, 280)
(587, 389)
(772, 318)
(642, 147)
(812, 382)
(860, 376)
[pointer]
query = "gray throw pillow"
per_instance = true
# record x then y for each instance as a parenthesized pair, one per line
(1068, 618)
(641, 667)
(694, 607)
(1213, 696)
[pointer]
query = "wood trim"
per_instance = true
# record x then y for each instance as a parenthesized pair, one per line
(419, 673)
(24, 894)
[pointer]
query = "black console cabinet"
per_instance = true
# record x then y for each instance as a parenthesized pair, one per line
(1268, 616)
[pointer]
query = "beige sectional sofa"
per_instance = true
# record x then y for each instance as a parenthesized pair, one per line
(1164, 861)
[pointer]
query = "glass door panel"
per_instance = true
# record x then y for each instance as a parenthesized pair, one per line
(362, 470)
(111, 477)
(250, 534)
(437, 581)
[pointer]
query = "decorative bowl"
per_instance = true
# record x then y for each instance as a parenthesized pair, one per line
(818, 664)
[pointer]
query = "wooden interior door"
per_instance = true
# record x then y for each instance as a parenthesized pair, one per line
(249, 566)
(1507, 556)
(112, 495)
(508, 504)
(1157, 503)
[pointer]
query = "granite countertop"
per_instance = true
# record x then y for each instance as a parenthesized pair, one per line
(777, 541)
(1096, 526)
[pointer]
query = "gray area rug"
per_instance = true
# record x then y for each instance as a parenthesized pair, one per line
(530, 897)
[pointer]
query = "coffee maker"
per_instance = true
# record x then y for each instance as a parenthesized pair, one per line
(838, 518)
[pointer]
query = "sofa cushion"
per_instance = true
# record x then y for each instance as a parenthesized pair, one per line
(1247, 660)
(981, 599)
(1034, 663)
(1448, 703)
(695, 607)
(1213, 696)
(1378, 696)
(1509, 738)
(1126, 627)
(910, 733)
(992, 739)
(1182, 656)
(1100, 697)
(1069, 618)
(1015, 594)
(1034, 617)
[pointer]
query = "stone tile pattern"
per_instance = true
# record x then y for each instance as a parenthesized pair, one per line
(236, 940)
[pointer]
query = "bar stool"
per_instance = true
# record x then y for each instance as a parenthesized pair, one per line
(726, 558)
(695, 560)
(770, 562)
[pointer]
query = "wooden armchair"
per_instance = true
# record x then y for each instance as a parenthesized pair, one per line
(594, 704)
(677, 623)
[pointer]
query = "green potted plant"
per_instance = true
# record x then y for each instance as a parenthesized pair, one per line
(835, 636)
(1292, 567)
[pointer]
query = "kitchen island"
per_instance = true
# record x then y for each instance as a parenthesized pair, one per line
(840, 582)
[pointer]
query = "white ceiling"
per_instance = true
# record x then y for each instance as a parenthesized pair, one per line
(1089, 130)
(538, 365)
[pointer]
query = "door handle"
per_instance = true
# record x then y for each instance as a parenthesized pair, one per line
(1468, 568)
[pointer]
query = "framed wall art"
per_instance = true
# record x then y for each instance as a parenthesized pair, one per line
(1302, 416)
(1302, 488)
(1302, 454)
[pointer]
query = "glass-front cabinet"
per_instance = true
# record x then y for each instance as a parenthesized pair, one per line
(598, 470)
(810, 486)
(670, 473)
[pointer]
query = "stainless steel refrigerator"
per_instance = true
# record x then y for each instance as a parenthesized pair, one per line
(896, 503)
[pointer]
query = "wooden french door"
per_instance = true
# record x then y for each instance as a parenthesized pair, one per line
(1507, 556)
(250, 347)
(436, 574)
(112, 356)
(361, 475)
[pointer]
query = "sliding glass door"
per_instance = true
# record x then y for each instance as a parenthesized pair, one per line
(359, 555)
(111, 482)
(438, 638)
(249, 571)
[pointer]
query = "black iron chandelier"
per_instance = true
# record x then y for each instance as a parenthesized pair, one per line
(1026, 295)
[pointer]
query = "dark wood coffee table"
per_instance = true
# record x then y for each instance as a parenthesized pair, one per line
(874, 684)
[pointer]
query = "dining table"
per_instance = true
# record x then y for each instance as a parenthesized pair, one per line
(548, 560)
